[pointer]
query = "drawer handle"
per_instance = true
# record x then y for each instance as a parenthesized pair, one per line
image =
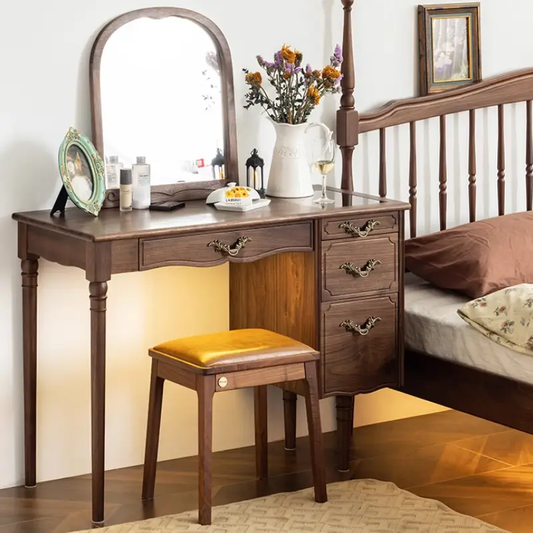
(226, 249)
(356, 328)
(356, 231)
(364, 272)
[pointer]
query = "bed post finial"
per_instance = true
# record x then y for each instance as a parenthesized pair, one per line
(347, 116)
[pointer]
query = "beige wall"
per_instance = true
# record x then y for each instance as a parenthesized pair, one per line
(44, 53)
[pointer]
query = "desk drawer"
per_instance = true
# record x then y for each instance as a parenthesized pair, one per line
(359, 267)
(360, 345)
(359, 227)
(208, 249)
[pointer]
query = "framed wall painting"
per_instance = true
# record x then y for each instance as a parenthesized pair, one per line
(450, 46)
(82, 172)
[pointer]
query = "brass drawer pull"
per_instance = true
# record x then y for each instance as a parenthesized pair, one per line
(226, 249)
(356, 231)
(364, 272)
(356, 328)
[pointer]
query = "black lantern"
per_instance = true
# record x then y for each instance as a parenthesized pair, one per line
(254, 173)
(217, 163)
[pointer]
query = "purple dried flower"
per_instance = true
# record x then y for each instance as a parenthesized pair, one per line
(308, 69)
(263, 63)
(336, 58)
(278, 59)
(338, 81)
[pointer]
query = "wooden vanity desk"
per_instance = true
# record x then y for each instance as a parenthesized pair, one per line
(329, 277)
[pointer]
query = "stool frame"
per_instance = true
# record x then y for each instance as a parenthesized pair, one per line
(207, 381)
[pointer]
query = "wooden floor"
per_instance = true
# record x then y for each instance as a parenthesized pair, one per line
(473, 466)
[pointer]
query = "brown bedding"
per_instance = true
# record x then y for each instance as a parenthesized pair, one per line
(476, 258)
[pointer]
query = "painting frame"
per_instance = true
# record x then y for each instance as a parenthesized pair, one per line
(88, 170)
(449, 45)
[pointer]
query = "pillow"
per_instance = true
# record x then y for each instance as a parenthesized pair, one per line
(505, 316)
(477, 258)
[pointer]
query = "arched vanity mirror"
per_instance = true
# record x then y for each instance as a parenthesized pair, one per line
(162, 87)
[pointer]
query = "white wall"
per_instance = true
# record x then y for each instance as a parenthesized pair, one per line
(44, 53)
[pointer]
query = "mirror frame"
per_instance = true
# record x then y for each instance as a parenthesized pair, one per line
(176, 191)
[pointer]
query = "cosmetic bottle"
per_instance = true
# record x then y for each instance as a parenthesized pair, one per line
(126, 189)
(112, 171)
(141, 184)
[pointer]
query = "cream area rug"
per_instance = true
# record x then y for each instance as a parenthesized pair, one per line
(357, 506)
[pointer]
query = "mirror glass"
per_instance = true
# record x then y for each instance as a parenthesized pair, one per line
(160, 82)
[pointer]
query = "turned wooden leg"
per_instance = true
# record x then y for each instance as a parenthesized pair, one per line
(205, 390)
(29, 346)
(289, 412)
(153, 427)
(345, 408)
(261, 432)
(315, 432)
(98, 296)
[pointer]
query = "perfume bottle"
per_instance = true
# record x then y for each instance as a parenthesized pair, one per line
(126, 189)
(112, 171)
(141, 184)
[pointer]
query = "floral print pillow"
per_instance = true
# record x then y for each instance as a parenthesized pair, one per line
(505, 316)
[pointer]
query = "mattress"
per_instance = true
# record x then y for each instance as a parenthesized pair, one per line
(433, 326)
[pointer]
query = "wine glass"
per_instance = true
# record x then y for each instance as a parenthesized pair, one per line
(324, 161)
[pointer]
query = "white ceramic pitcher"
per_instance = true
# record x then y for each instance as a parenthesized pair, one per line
(290, 170)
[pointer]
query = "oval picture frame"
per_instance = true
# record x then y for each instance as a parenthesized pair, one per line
(82, 172)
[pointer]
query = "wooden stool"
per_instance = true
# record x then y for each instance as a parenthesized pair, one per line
(227, 361)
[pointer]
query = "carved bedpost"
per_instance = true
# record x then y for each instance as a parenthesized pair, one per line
(347, 116)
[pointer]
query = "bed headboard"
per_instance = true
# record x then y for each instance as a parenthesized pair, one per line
(511, 88)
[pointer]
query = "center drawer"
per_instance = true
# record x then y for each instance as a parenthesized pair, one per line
(359, 267)
(209, 249)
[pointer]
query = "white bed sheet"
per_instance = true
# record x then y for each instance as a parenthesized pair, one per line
(433, 326)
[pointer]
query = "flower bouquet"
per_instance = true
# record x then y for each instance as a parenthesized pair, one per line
(297, 90)
(292, 92)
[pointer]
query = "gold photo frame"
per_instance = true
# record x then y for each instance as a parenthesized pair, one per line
(450, 46)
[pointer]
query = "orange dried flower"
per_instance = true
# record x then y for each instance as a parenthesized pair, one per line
(317, 74)
(288, 54)
(330, 72)
(254, 78)
(314, 94)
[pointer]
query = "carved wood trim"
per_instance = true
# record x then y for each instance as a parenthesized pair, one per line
(509, 88)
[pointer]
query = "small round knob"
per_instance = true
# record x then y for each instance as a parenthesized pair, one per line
(223, 382)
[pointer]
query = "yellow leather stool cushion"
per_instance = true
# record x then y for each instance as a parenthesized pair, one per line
(234, 347)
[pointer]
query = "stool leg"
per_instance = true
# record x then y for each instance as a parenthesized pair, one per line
(205, 389)
(152, 432)
(315, 432)
(261, 431)
(289, 412)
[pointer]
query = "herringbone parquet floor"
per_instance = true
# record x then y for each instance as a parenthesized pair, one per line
(473, 466)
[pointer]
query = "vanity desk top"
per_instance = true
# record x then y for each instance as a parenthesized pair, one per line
(113, 225)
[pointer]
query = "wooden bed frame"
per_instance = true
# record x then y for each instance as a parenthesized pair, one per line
(466, 389)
